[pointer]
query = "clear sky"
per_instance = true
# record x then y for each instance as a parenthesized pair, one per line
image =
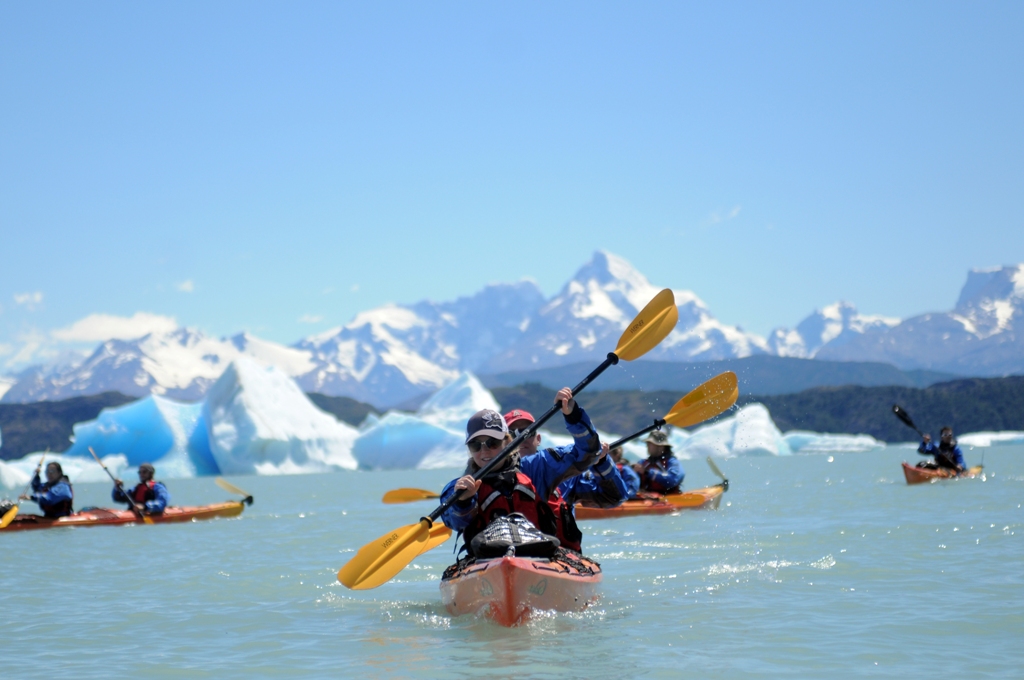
(278, 167)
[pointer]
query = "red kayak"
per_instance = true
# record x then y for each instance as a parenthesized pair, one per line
(508, 589)
(656, 504)
(107, 517)
(916, 475)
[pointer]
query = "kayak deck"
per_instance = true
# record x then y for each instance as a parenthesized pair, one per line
(916, 475)
(108, 517)
(707, 498)
(507, 589)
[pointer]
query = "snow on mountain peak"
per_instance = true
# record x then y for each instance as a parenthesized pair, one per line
(834, 324)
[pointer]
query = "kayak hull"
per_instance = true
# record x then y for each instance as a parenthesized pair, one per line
(508, 589)
(655, 504)
(107, 517)
(916, 475)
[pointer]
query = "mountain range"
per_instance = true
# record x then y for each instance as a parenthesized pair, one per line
(393, 353)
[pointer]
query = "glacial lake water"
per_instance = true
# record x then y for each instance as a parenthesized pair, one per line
(814, 566)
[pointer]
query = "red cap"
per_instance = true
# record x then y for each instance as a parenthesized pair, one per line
(513, 416)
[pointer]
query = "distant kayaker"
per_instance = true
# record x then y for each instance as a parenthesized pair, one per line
(525, 481)
(947, 454)
(150, 497)
(55, 496)
(626, 471)
(661, 472)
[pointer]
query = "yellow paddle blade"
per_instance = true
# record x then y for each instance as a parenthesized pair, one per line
(439, 533)
(378, 561)
(705, 401)
(651, 325)
(8, 517)
(408, 495)
(229, 487)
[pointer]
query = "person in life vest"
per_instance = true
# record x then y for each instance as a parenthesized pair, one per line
(593, 481)
(947, 454)
(150, 497)
(55, 496)
(523, 483)
(661, 472)
(628, 474)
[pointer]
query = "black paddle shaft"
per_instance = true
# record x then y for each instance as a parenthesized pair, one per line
(611, 360)
(131, 501)
(905, 417)
(650, 428)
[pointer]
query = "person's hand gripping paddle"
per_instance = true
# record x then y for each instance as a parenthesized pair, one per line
(131, 501)
(378, 561)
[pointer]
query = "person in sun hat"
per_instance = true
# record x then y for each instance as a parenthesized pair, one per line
(151, 497)
(524, 481)
(661, 472)
(594, 481)
(54, 496)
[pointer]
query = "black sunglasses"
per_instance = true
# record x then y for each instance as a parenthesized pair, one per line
(489, 442)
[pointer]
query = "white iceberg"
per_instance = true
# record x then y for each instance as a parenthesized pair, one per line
(750, 432)
(169, 434)
(433, 437)
(259, 421)
(991, 438)
(801, 441)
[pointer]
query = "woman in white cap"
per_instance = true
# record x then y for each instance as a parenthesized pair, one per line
(661, 472)
(522, 484)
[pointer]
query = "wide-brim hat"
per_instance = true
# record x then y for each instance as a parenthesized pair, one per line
(657, 437)
(487, 423)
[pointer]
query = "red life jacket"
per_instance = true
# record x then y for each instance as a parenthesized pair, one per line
(492, 503)
(569, 535)
(143, 492)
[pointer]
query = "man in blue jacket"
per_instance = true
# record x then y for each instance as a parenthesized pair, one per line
(628, 474)
(55, 496)
(661, 472)
(947, 454)
(150, 496)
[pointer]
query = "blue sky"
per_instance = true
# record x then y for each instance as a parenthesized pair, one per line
(278, 167)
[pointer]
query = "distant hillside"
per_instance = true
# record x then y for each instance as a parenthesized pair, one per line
(969, 405)
(26, 428)
(759, 374)
(343, 408)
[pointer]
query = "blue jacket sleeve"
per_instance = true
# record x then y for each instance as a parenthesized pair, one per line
(926, 448)
(631, 479)
(601, 486)
(461, 513)
(37, 484)
(548, 468)
(959, 455)
(158, 504)
(663, 480)
(118, 496)
(57, 493)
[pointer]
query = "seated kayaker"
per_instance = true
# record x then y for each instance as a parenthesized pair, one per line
(525, 481)
(599, 486)
(150, 497)
(661, 472)
(948, 455)
(628, 474)
(55, 496)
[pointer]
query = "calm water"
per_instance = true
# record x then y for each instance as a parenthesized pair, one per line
(810, 568)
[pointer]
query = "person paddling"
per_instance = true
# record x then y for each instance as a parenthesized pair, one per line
(948, 455)
(527, 478)
(661, 472)
(56, 496)
(150, 496)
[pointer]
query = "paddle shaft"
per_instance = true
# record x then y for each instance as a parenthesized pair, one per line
(610, 360)
(907, 420)
(131, 501)
(650, 428)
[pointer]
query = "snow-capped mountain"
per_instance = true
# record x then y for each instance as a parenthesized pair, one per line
(983, 335)
(180, 364)
(831, 326)
(585, 319)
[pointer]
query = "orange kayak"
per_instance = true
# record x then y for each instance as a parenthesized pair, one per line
(508, 589)
(916, 475)
(707, 498)
(106, 517)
